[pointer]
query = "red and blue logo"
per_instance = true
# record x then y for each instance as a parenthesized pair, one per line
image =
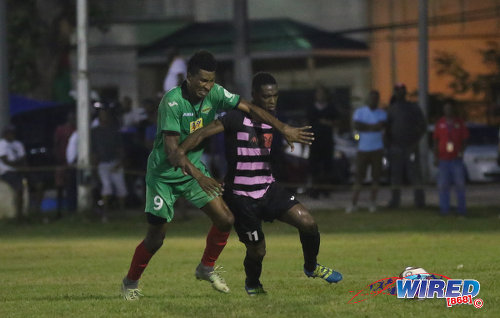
(416, 283)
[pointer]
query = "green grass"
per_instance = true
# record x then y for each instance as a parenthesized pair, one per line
(73, 268)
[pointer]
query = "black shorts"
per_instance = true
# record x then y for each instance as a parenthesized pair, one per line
(249, 213)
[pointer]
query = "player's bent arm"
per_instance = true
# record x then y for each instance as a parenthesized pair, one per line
(291, 134)
(369, 127)
(199, 135)
(171, 145)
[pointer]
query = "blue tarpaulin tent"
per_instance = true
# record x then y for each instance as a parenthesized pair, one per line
(19, 104)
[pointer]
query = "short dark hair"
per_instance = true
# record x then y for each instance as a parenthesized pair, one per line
(262, 78)
(201, 60)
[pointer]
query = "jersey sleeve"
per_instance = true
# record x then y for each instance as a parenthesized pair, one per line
(357, 115)
(21, 150)
(231, 120)
(222, 98)
(383, 115)
(169, 115)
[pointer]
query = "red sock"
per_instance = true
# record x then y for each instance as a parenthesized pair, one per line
(139, 262)
(216, 240)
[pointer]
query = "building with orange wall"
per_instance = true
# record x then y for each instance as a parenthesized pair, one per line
(459, 27)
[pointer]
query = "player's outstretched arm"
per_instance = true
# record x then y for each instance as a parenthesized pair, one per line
(291, 134)
(171, 145)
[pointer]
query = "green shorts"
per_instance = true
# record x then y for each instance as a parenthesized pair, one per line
(161, 195)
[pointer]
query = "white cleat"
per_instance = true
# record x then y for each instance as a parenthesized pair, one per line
(130, 293)
(213, 275)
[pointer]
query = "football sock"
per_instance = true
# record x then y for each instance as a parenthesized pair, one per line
(130, 283)
(310, 248)
(139, 262)
(253, 270)
(216, 240)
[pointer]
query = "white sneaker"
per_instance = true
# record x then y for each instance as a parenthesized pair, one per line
(212, 275)
(131, 294)
(351, 208)
(372, 208)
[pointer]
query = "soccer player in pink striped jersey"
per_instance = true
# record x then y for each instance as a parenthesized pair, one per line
(250, 190)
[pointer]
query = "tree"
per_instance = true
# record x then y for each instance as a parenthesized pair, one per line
(39, 41)
(487, 85)
(39, 44)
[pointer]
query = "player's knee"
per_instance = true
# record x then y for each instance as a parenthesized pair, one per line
(154, 241)
(308, 225)
(256, 252)
(225, 222)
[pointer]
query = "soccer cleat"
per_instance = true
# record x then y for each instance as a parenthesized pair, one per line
(326, 273)
(213, 276)
(131, 293)
(255, 291)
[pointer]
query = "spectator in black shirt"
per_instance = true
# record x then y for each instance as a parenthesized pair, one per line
(406, 126)
(321, 115)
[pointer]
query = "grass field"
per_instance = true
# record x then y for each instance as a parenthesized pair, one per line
(73, 267)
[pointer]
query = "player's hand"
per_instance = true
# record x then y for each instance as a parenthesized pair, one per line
(178, 160)
(210, 186)
(298, 134)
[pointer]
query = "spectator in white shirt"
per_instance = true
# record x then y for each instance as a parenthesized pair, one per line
(12, 156)
(177, 70)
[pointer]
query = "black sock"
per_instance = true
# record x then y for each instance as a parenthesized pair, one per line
(310, 248)
(253, 269)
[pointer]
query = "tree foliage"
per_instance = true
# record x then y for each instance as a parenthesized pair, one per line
(39, 42)
(448, 64)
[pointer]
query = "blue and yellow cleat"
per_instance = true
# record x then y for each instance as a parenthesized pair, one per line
(326, 273)
(255, 291)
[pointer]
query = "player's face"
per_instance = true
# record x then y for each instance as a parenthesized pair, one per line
(267, 97)
(201, 83)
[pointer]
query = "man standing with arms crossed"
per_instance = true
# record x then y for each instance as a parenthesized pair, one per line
(250, 189)
(370, 122)
(182, 111)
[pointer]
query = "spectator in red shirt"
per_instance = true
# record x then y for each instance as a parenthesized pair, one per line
(450, 135)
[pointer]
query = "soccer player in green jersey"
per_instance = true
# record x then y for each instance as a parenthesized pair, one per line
(182, 111)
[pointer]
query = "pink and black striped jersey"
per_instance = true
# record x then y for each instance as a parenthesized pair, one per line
(248, 152)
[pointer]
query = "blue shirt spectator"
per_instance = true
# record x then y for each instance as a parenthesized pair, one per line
(370, 140)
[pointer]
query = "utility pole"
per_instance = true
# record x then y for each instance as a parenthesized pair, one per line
(4, 78)
(83, 112)
(423, 84)
(242, 62)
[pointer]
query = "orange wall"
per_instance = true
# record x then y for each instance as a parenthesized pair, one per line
(464, 39)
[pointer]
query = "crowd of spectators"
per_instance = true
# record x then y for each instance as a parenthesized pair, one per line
(122, 135)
